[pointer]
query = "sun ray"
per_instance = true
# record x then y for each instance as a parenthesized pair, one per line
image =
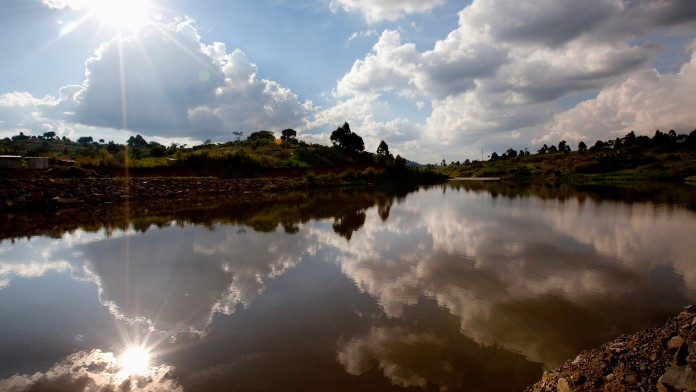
(124, 15)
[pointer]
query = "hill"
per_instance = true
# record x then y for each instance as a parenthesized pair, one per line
(260, 155)
(664, 157)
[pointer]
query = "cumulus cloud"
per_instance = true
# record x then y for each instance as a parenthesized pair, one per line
(486, 266)
(161, 82)
(93, 371)
(408, 359)
(645, 100)
(165, 82)
(492, 82)
(374, 11)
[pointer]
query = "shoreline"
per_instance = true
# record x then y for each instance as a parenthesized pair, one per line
(662, 358)
(26, 194)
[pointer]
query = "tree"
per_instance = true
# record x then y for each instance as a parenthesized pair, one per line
(261, 137)
(383, 154)
(511, 153)
(543, 150)
(21, 136)
(582, 147)
(598, 146)
(288, 135)
(401, 162)
(494, 156)
(137, 141)
(49, 135)
(629, 139)
(85, 140)
(563, 147)
(383, 149)
(238, 135)
(343, 138)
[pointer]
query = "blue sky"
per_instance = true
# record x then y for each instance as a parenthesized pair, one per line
(435, 79)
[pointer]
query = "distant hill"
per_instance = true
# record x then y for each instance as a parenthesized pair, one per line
(664, 157)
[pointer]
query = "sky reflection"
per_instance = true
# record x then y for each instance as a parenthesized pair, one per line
(445, 288)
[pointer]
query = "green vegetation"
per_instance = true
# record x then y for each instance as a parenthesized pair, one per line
(259, 155)
(664, 157)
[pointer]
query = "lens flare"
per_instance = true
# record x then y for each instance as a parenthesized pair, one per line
(122, 14)
(134, 361)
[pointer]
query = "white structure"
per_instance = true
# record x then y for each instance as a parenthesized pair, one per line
(39, 163)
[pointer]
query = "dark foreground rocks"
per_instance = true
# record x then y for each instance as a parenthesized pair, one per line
(658, 359)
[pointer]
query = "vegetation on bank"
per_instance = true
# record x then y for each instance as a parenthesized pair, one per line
(261, 154)
(663, 157)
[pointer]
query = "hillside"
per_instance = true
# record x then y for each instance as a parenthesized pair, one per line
(260, 155)
(664, 157)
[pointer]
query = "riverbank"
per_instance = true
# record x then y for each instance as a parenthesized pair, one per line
(22, 194)
(657, 359)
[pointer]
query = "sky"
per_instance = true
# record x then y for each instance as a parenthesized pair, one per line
(435, 79)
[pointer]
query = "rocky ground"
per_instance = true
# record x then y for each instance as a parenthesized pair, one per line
(658, 359)
(19, 194)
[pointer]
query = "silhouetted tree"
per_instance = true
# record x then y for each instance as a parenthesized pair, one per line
(238, 135)
(630, 139)
(582, 147)
(288, 135)
(21, 136)
(137, 141)
(598, 146)
(49, 135)
(383, 149)
(85, 140)
(261, 137)
(563, 147)
(345, 139)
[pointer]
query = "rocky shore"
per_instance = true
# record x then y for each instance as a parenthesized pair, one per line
(22, 194)
(658, 359)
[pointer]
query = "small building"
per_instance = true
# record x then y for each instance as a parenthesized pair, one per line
(38, 163)
(10, 161)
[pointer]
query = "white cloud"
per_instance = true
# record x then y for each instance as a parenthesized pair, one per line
(94, 371)
(407, 358)
(374, 11)
(161, 82)
(645, 100)
(496, 79)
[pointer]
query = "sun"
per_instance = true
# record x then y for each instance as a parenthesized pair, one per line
(134, 361)
(121, 14)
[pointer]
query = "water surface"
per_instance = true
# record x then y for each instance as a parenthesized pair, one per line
(464, 286)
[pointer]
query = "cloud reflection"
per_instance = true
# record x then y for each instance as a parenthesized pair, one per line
(92, 371)
(486, 260)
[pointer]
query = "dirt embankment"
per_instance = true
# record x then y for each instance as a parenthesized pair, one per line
(16, 194)
(658, 359)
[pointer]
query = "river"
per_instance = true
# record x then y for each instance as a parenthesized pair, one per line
(462, 286)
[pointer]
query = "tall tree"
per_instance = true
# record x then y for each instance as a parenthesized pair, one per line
(343, 138)
(288, 135)
(383, 149)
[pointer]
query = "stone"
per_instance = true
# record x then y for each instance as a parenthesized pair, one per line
(678, 378)
(563, 386)
(674, 343)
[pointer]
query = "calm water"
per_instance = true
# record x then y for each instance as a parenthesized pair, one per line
(465, 286)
